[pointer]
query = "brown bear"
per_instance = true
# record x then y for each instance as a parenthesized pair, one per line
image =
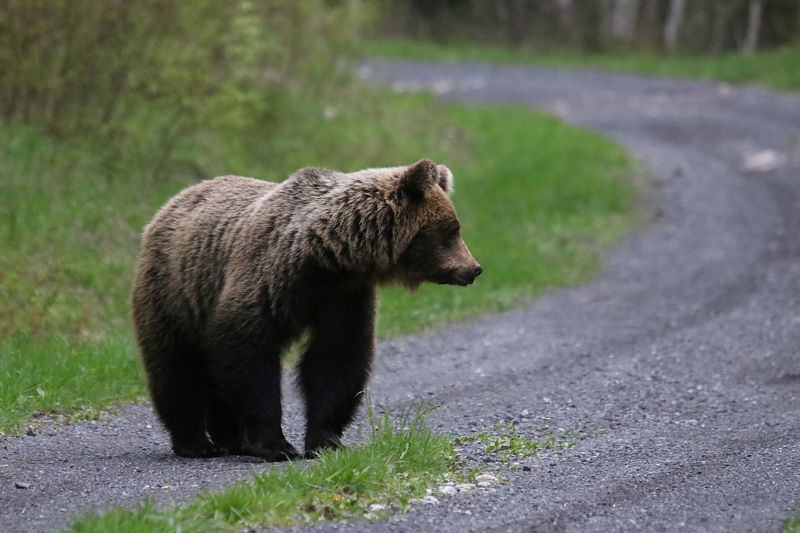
(233, 269)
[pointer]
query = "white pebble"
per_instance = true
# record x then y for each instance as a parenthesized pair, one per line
(426, 500)
(486, 478)
(465, 487)
(448, 490)
(377, 507)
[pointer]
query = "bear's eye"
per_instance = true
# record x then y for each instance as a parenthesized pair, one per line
(450, 236)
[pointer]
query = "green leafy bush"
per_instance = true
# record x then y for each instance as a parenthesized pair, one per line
(79, 65)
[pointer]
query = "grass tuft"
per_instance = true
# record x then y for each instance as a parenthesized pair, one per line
(506, 444)
(792, 525)
(399, 461)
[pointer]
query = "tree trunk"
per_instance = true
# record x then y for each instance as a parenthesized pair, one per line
(507, 14)
(650, 24)
(605, 20)
(623, 19)
(753, 27)
(567, 21)
(718, 26)
(673, 26)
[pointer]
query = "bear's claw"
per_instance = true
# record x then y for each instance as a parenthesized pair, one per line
(271, 453)
(315, 446)
(198, 451)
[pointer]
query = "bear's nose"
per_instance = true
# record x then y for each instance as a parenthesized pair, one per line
(478, 271)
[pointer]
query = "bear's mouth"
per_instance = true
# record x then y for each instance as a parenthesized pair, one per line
(459, 278)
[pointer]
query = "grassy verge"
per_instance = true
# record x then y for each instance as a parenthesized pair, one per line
(792, 525)
(537, 199)
(400, 465)
(779, 69)
(399, 462)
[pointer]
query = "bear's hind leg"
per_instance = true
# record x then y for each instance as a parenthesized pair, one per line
(223, 426)
(245, 372)
(334, 369)
(179, 391)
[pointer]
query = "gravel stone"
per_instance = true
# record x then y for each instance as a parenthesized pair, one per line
(448, 490)
(425, 500)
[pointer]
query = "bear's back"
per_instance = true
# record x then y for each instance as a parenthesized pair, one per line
(204, 214)
(187, 245)
(229, 233)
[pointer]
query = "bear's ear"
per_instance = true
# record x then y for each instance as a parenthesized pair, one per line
(419, 177)
(445, 179)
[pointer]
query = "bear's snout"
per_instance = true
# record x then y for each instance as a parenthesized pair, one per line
(466, 268)
(465, 276)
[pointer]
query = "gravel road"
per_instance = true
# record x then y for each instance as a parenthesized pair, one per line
(679, 366)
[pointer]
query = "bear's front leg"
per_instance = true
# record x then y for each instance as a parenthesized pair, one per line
(334, 369)
(245, 373)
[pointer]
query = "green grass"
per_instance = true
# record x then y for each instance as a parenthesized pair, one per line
(399, 461)
(779, 68)
(792, 525)
(537, 200)
(506, 444)
(70, 378)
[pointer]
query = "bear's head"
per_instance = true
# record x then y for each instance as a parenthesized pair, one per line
(432, 249)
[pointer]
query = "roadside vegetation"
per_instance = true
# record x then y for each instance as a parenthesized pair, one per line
(507, 446)
(792, 525)
(779, 69)
(399, 462)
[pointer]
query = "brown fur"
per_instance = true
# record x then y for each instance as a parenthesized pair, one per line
(234, 268)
